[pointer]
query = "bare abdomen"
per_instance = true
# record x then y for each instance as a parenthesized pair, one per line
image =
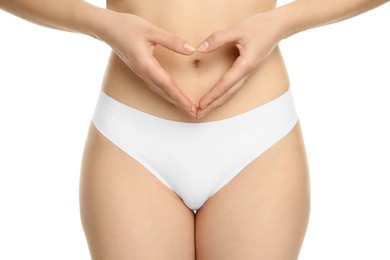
(195, 74)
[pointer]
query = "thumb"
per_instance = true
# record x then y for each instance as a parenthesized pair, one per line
(217, 40)
(172, 42)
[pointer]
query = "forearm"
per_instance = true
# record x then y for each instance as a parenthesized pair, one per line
(67, 15)
(301, 15)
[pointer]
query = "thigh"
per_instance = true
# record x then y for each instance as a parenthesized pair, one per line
(126, 212)
(264, 211)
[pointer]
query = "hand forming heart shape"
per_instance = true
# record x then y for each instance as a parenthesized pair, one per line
(255, 37)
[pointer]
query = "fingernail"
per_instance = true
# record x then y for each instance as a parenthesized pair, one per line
(188, 47)
(193, 109)
(204, 46)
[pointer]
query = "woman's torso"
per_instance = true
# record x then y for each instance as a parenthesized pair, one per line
(195, 21)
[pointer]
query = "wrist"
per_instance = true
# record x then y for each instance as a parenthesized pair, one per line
(289, 18)
(92, 20)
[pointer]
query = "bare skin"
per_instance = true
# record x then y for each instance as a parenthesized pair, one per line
(126, 212)
(129, 214)
(195, 74)
(158, 216)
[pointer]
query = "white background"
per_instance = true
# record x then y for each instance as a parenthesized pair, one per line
(49, 81)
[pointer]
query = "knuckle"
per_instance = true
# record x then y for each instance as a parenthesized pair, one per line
(149, 31)
(227, 78)
(247, 65)
(244, 63)
(251, 66)
(176, 42)
(222, 83)
(214, 38)
(164, 85)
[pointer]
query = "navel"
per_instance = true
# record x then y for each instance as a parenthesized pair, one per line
(196, 63)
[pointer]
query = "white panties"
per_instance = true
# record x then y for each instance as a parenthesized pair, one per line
(195, 160)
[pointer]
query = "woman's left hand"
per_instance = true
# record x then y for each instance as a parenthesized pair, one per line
(255, 37)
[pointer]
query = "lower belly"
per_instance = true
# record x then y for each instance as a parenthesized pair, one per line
(270, 81)
(195, 75)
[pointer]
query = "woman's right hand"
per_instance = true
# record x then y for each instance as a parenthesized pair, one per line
(133, 39)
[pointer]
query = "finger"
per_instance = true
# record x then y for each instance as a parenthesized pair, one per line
(239, 69)
(154, 87)
(218, 39)
(172, 42)
(223, 99)
(139, 69)
(163, 81)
